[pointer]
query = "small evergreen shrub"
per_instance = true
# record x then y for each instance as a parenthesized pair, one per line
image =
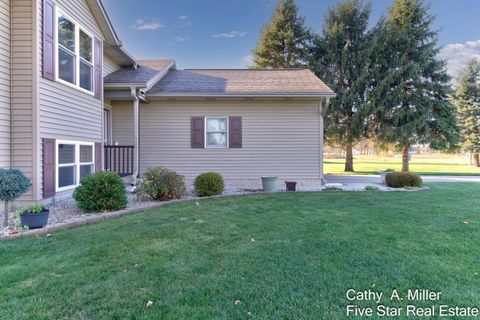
(209, 184)
(13, 184)
(371, 188)
(101, 191)
(333, 189)
(162, 184)
(403, 180)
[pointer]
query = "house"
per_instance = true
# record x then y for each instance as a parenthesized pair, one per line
(73, 101)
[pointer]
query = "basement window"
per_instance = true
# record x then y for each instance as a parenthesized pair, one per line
(75, 160)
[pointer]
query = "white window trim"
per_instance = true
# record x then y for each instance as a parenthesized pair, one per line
(205, 133)
(77, 163)
(59, 13)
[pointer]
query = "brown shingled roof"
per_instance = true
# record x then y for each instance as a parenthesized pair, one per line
(252, 82)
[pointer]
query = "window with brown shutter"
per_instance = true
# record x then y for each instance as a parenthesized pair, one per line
(48, 168)
(235, 132)
(48, 60)
(198, 132)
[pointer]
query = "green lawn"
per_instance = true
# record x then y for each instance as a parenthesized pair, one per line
(435, 164)
(194, 261)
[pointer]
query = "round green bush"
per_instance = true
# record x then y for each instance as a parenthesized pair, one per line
(403, 179)
(209, 184)
(162, 184)
(101, 191)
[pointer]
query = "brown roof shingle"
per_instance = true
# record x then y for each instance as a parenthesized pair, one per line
(254, 82)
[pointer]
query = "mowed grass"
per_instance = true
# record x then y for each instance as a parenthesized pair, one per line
(425, 164)
(194, 261)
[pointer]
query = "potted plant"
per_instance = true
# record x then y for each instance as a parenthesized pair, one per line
(384, 173)
(291, 185)
(34, 217)
(13, 183)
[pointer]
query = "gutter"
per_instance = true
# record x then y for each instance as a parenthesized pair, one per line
(193, 95)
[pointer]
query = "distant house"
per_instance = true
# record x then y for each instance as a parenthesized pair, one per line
(73, 101)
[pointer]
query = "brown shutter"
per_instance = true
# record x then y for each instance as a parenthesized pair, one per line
(98, 78)
(49, 40)
(98, 157)
(235, 132)
(48, 168)
(198, 132)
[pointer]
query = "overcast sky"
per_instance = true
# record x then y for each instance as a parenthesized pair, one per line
(222, 33)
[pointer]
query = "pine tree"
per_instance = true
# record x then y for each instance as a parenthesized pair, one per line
(411, 85)
(466, 99)
(284, 41)
(340, 57)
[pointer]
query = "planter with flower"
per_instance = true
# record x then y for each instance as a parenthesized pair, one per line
(34, 217)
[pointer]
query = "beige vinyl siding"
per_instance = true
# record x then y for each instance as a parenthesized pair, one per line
(109, 66)
(22, 90)
(4, 83)
(66, 113)
(280, 138)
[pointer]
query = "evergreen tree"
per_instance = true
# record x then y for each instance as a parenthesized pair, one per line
(466, 99)
(340, 57)
(284, 41)
(411, 87)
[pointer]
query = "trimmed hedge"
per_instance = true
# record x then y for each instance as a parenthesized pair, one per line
(209, 184)
(403, 179)
(162, 184)
(101, 191)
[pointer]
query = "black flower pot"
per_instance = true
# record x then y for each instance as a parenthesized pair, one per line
(34, 220)
(291, 185)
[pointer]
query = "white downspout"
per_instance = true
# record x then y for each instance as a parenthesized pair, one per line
(136, 117)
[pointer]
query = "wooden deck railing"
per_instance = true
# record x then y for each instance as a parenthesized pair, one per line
(119, 159)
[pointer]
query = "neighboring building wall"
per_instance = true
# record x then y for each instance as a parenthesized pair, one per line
(5, 83)
(109, 66)
(280, 138)
(67, 113)
(23, 89)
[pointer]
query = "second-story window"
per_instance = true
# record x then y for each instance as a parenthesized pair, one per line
(75, 54)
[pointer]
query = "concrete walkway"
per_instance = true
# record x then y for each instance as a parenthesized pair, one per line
(338, 178)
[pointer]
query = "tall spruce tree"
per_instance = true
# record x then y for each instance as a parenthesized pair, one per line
(340, 57)
(284, 41)
(466, 100)
(411, 85)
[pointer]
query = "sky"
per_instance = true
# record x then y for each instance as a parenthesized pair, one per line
(223, 33)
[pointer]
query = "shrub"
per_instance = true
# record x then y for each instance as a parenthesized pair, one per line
(403, 179)
(162, 184)
(13, 183)
(209, 184)
(371, 188)
(333, 189)
(101, 191)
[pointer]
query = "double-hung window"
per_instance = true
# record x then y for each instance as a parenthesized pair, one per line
(75, 54)
(216, 132)
(75, 160)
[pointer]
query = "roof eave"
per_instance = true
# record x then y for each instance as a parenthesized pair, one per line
(176, 95)
(124, 85)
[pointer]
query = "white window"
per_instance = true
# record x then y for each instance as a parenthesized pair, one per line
(216, 132)
(75, 54)
(75, 160)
